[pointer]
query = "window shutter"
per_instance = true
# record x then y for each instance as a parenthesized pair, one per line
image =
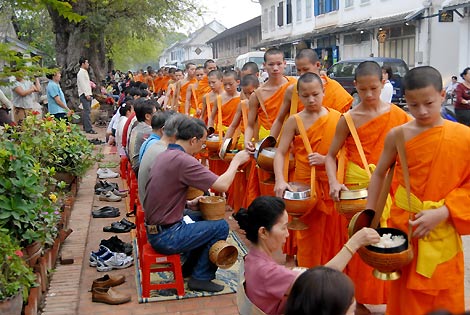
(317, 7)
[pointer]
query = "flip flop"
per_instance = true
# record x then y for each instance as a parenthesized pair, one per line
(117, 227)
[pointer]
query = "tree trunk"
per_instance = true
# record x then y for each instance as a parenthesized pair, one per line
(74, 40)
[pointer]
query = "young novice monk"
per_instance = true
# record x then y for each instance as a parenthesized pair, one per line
(192, 101)
(230, 98)
(372, 119)
(210, 99)
(322, 240)
(438, 156)
(183, 85)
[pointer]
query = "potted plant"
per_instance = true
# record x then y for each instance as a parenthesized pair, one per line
(23, 195)
(15, 277)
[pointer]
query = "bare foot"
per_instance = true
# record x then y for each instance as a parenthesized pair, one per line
(361, 309)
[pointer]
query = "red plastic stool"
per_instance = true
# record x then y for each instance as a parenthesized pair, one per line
(123, 167)
(155, 262)
(133, 192)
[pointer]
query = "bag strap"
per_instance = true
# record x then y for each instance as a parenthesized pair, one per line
(193, 93)
(303, 135)
(341, 165)
(208, 105)
(357, 141)
(219, 115)
(261, 102)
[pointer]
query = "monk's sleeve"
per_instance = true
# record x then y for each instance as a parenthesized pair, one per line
(458, 201)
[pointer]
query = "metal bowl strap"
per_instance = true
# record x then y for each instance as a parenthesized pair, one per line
(294, 101)
(400, 143)
(341, 165)
(219, 115)
(357, 141)
(303, 135)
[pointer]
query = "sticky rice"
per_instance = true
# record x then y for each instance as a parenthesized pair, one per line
(389, 241)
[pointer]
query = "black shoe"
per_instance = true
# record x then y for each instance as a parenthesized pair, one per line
(117, 227)
(115, 244)
(106, 212)
(204, 285)
(127, 223)
(103, 185)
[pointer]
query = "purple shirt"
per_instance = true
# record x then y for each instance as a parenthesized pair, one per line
(170, 176)
(267, 282)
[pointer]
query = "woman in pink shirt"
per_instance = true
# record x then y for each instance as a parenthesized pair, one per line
(267, 283)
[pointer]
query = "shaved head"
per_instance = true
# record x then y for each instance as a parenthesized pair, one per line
(309, 54)
(368, 68)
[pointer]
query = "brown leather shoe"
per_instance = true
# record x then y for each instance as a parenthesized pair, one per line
(109, 296)
(106, 282)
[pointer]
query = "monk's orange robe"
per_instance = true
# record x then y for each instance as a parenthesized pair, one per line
(336, 96)
(183, 91)
(202, 89)
(324, 238)
(370, 290)
(139, 78)
(438, 163)
(149, 81)
(157, 84)
(164, 83)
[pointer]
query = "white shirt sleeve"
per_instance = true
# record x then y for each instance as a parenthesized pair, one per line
(387, 92)
(4, 100)
(83, 83)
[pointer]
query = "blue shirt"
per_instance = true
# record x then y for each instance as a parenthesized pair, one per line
(53, 90)
(147, 143)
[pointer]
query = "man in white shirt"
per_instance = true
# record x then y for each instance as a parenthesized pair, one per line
(84, 92)
(450, 89)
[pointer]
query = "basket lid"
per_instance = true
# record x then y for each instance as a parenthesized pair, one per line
(269, 141)
(360, 220)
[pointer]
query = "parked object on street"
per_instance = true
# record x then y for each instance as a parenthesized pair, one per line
(344, 70)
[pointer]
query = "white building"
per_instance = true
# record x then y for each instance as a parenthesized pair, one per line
(417, 31)
(194, 48)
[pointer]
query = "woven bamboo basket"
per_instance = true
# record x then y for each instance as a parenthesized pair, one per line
(212, 207)
(223, 254)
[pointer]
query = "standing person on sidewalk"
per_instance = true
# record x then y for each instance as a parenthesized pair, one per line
(84, 92)
(56, 104)
(23, 97)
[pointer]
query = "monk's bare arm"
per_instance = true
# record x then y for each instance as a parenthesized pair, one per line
(388, 157)
(210, 121)
(342, 132)
(283, 111)
(252, 116)
(235, 123)
(204, 106)
(187, 102)
(283, 149)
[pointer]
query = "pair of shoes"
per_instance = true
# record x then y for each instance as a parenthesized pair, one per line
(109, 296)
(117, 227)
(122, 194)
(109, 196)
(127, 223)
(115, 244)
(204, 285)
(106, 212)
(108, 281)
(104, 173)
(106, 184)
(106, 260)
(91, 132)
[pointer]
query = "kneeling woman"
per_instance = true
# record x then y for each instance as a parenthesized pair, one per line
(267, 283)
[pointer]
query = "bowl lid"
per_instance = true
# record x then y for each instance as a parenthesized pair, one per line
(360, 220)
(225, 147)
(353, 194)
(269, 141)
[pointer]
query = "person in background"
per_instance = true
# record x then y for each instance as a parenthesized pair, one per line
(56, 104)
(450, 89)
(85, 94)
(23, 98)
(462, 102)
(321, 290)
(387, 91)
(5, 107)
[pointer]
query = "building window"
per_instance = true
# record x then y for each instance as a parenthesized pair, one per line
(325, 6)
(308, 9)
(298, 10)
(272, 16)
(242, 42)
(265, 19)
(289, 11)
(348, 3)
(280, 14)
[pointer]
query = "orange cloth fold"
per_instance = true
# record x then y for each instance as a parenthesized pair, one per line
(438, 161)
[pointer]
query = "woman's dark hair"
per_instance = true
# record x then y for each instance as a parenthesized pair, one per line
(388, 70)
(145, 107)
(464, 72)
(320, 291)
(124, 108)
(264, 211)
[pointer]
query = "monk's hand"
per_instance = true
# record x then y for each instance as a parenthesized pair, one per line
(250, 146)
(427, 220)
(335, 188)
(241, 157)
(280, 187)
(315, 159)
(363, 237)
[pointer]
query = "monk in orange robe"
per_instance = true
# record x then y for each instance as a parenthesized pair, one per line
(139, 77)
(315, 245)
(264, 105)
(183, 85)
(191, 103)
(335, 95)
(372, 119)
(203, 86)
(437, 153)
